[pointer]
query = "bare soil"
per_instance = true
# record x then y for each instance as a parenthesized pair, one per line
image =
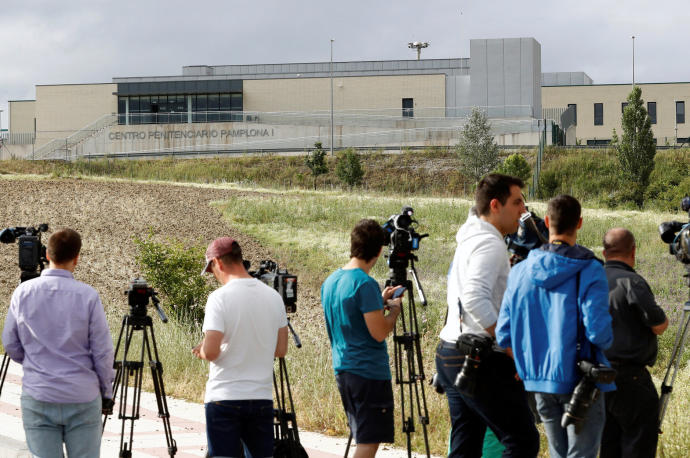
(109, 215)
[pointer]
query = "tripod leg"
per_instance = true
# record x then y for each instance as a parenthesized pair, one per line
(158, 387)
(674, 362)
(3, 370)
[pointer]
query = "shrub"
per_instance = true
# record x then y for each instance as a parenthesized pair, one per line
(517, 166)
(348, 168)
(173, 269)
(549, 183)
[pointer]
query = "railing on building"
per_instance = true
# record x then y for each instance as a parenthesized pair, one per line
(62, 148)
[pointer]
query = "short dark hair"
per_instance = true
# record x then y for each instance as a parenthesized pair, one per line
(564, 213)
(619, 242)
(234, 256)
(63, 246)
(494, 186)
(366, 240)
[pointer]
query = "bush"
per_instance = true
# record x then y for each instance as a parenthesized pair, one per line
(348, 168)
(173, 269)
(549, 184)
(517, 166)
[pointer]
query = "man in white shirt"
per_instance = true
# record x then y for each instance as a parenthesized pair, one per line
(491, 396)
(245, 327)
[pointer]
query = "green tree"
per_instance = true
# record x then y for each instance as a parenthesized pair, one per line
(348, 168)
(517, 166)
(316, 161)
(636, 148)
(477, 150)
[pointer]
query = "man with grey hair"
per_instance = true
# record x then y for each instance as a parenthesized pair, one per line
(631, 412)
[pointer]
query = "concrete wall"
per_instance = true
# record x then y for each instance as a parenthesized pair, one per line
(22, 113)
(63, 109)
(612, 96)
(349, 93)
(505, 75)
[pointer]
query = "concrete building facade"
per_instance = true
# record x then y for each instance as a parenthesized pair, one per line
(377, 104)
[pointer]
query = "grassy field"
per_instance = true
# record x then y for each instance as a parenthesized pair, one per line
(309, 232)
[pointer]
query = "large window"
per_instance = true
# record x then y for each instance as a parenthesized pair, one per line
(623, 105)
(175, 108)
(598, 114)
(651, 110)
(680, 112)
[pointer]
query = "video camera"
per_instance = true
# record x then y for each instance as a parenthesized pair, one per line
(586, 392)
(677, 235)
(32, 253)
(279, 279)
(402, 239)
(531, 234)
(138, 294)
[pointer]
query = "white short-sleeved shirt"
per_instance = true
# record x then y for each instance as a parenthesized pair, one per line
(249, 314)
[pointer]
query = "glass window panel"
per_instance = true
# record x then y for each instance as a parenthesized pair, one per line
(651, 110)
(598, 114)
(680, 112)
(623, 105)
(213, 101)
(201, 102)
(574, 105)
(236, 102)
(224, 107)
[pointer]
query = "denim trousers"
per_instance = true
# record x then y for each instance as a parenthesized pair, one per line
(234, 425)
(564, 442)
(500, 403)
(47, 425)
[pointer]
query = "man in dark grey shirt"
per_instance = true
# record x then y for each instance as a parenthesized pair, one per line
(631, 412)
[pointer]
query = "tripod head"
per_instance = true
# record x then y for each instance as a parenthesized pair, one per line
(138, 294)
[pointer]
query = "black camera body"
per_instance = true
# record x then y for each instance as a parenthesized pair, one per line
(677, 235)
(139, 294)
(402, 239)
(476, 348)
(586, 392)
(32, 253)
(280, 280)
(532, 233)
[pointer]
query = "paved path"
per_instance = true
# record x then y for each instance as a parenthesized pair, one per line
(187, 423)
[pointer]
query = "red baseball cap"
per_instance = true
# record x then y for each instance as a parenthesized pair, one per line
(219, 247)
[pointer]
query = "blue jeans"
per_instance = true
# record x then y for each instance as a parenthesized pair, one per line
(500, 403)
(47, 425)
(232, 424)
(563, 442)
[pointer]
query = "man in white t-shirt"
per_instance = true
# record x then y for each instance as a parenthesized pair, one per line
(245, 327)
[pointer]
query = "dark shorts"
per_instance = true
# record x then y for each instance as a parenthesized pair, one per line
(368, 404)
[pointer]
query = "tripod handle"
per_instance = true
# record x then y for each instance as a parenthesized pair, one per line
(298, 342)
(159, 309)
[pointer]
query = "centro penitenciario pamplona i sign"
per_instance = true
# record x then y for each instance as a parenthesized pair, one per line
(190, 134)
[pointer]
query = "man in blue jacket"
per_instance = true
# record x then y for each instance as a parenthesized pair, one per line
(555, 312)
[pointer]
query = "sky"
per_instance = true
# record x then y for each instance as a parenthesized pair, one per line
(80, 41)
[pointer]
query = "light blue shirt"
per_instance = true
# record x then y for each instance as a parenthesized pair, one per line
(57, 330)
(346, 295)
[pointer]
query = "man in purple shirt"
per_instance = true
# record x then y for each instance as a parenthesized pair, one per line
(57, 330)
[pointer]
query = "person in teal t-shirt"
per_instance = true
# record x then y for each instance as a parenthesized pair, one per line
(353, 306)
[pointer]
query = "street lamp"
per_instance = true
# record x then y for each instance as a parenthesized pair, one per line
(418, 45)
(633, 62)
(331, 72)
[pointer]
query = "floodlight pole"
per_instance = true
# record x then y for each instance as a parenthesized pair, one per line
(418, 45)
(331, 72)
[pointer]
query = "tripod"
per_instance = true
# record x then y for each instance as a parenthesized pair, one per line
(674, 362)
(285, 431)
(126, 369)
